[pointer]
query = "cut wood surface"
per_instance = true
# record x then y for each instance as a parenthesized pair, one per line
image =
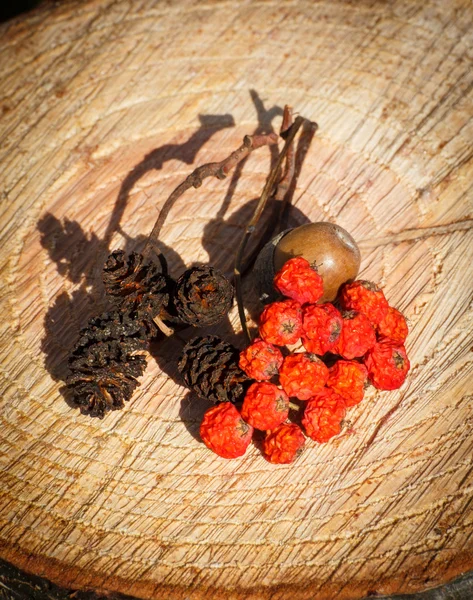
(105, 107)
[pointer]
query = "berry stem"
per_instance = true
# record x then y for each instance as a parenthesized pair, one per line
(168, 331)
(216, 169)
(289, 135)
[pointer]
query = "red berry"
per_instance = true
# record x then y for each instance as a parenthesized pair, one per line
(302, 375)
(265, 406)
(260, 360)
(299, 281)
(387, 365)
(321, 325)
(323, 415)
(224, 431)
(282, 445)
(365, 297)
(281, 322)
(393, 326)
(348, 379)
(357, 336)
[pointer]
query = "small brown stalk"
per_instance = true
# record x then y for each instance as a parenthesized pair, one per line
(273, 189)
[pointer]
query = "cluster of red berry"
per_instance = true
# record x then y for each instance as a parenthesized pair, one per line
(345, 350)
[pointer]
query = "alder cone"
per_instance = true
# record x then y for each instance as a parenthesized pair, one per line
(210, 369)
(104, 365)
(203, 296)
(135, 284)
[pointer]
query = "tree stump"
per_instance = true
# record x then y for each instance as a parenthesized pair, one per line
(106, 106)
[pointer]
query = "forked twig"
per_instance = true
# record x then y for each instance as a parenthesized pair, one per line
(250, 228)
(276, 186)
(286, 186)
(217, 169)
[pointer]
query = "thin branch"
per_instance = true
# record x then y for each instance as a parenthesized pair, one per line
(250, 228)
(287, 120)
(280, 193)
(217, 169)
(287, 181)
(285, 187)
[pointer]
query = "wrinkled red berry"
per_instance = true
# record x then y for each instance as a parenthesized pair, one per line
(393, 326)
(224, 431)
(365, 297)
(284, 444)
(348, 378)
(301, 375)
(357, 336)
(299, 281)
(265, 406)
(387, 365)
(322, 325)
(260, 360)
(323, 415)
(281, 323)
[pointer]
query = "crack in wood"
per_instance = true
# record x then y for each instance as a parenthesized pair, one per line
(419, 233)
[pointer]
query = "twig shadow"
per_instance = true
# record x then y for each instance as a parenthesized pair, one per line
(79, 256)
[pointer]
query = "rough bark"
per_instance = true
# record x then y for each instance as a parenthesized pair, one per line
(105, 107)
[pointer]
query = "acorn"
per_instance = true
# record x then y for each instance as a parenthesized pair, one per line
(328, 247)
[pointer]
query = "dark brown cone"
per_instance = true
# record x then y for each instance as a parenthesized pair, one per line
(136, 285)
(210, 369)
(203, 296)
(104, 365)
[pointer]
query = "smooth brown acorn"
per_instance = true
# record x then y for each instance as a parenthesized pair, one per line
(329, 247)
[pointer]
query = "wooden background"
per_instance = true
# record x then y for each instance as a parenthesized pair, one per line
(105, 106)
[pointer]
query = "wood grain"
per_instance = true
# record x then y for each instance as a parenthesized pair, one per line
(105, 107)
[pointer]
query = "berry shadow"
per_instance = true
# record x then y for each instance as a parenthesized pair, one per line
(191, 413)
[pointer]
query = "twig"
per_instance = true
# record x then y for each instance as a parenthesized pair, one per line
(250, 228)
(285, 187)
(280, 193)
(282, 196)
(217, 169)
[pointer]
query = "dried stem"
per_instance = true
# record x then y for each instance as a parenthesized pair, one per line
(168, 331)
(284, 190)
(250, 228)
(217, 169)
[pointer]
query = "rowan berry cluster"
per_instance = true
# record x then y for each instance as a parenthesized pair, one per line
(346, 348)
